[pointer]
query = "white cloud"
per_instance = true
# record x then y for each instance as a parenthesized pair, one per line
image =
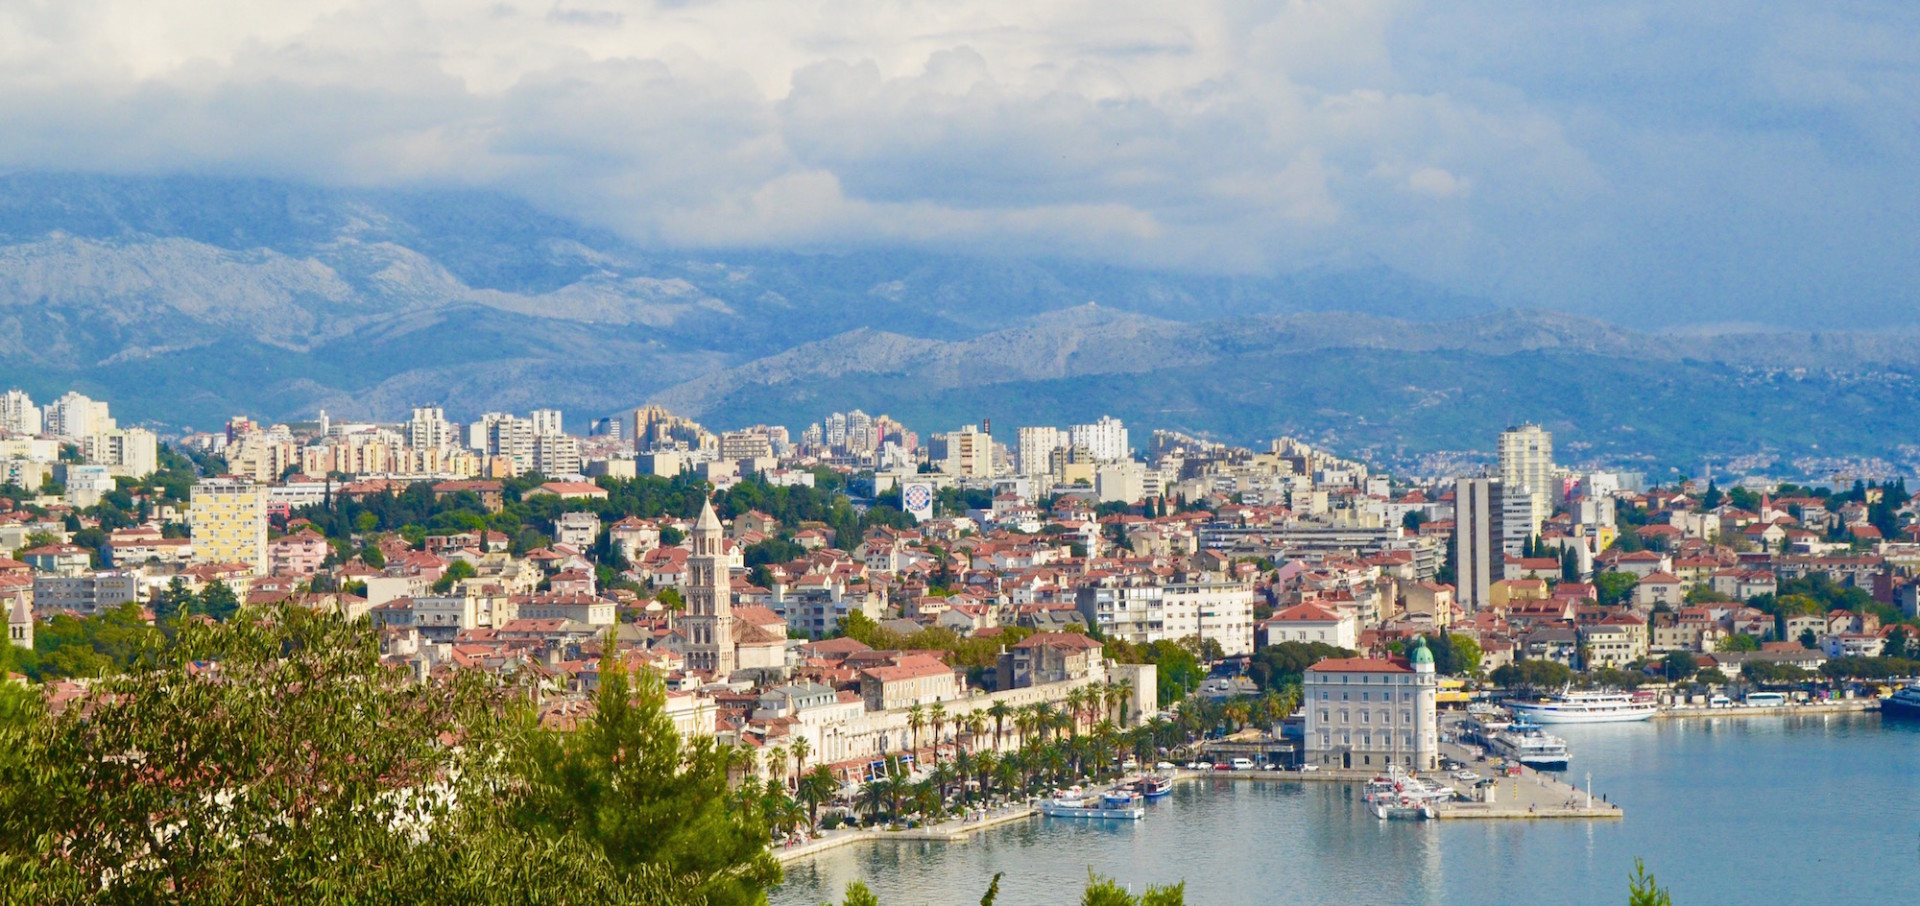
(1527, 153)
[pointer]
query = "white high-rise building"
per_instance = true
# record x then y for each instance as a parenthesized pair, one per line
(547, 421)
(1106, 439)
(966, 453)
(18, 414)
(75, 416)
(513, 438)
(131, 452)
(429, 429)
(1036, 446)
(556, 454)
(1526, 466)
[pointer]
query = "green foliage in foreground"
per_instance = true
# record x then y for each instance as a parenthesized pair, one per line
(275, 758)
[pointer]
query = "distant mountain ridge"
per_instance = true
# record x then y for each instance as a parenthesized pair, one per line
(187, 299)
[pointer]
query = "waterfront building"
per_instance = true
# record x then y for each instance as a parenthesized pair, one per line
(1369, 713)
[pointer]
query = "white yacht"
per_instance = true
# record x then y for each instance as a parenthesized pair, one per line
(1570, 707)
(1533, 747)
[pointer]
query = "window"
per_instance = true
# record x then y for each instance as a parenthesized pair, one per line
(1365, 696)
(1323, 716)
(1365, 715)
(1406, 717)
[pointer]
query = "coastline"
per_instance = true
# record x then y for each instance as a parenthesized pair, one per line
(957, 830)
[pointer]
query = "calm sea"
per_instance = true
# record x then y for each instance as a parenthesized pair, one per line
(1746, 811)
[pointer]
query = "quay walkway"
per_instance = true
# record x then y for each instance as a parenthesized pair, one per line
(955, 830)
(1841, 706)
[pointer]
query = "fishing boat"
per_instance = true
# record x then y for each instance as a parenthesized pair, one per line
(1570, 707)
(1075, 803)
(1532, 746)
(1153, 786)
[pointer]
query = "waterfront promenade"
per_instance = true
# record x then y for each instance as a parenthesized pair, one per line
(956, 830)
(1841, 706)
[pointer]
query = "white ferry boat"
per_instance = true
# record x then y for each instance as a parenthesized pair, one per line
(1533, 747)
(1570, 707)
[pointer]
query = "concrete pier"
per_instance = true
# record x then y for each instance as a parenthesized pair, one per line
(956, 830)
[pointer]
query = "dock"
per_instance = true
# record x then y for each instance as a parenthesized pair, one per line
(1529, 795)
(1842, 706)
(957, 830)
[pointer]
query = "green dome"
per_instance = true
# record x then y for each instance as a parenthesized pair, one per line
(1420, 653)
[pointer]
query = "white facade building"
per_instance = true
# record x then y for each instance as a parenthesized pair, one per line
(1366, 713)
(1106, 439)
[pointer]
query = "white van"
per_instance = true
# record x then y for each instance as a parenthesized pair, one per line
(1243, 764)
(1719, 701)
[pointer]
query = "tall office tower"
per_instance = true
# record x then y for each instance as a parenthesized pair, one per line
(1106, 439)
(709, 619)
(429, 429)
(1478, 556)
(1526, 466)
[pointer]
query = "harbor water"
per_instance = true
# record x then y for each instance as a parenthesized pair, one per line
(1735, 810)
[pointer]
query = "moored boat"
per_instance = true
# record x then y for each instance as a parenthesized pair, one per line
(1533, 747)
(1570, 707)
(1902, 705)
(1153, 786)
(1075, 803)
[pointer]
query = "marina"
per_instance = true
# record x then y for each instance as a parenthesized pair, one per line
(1297, 838)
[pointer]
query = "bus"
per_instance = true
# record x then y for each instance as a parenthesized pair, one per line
(1766, 699)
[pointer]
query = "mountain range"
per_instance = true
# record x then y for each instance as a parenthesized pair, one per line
(184, 300)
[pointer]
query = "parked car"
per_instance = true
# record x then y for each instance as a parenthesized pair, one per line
(1243, 764)
(1223, 766)
(1307, 766)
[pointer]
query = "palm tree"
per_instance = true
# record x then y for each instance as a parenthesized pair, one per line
(1023, 724)
(816, 787)
(777, 763)
(976, 727)
(939, 715)
(916, 719)
(999, 712)
(800, 749)
(875, 793)
(1043, 715)
(1122, 693)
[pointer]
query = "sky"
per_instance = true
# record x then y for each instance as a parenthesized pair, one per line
(1654, 163)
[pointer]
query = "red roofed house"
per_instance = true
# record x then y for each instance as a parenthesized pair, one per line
(571, 490)
(1368, 713)
(1051, 657)
(911, 680)
(1313, 623)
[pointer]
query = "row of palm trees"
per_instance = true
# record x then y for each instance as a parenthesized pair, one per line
(1081, 739)
(1078, 738)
